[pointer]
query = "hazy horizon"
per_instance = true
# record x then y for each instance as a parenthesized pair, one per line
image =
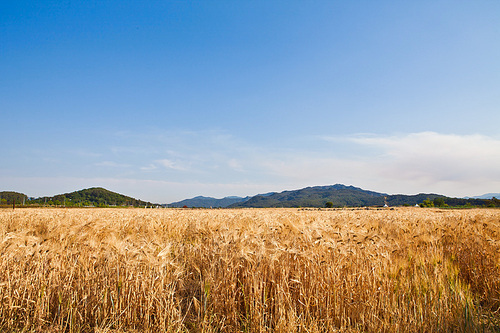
(244, 196)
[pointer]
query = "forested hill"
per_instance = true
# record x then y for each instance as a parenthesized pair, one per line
(96, 196)
(339, 195)
(318, 196)
(9, 197)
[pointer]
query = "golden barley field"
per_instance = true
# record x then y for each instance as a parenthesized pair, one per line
(249, 270)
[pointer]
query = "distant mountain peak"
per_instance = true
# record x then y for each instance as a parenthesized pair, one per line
(487, 196)
(316, 196)
(207, 202)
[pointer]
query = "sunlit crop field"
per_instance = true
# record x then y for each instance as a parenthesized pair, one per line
(249, 270)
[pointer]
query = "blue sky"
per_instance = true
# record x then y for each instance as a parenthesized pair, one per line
(165, 100)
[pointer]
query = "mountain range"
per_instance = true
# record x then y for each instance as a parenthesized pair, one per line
(207, 202)
(337, 195)
(486, 196)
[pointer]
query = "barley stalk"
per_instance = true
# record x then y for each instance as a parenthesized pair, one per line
(253, 270)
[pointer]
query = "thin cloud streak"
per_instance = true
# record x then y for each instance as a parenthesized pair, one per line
(169, 164)
(156, 191)
(409, 163)
(428, 161)
(439, 156)
(218, 164)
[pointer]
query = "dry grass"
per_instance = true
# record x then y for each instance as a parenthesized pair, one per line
(256, 270)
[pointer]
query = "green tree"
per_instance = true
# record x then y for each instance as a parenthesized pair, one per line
(329, 204)
(439, 202)
(427, 203)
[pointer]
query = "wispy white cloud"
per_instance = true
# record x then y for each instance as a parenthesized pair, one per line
(429, 161)
(218, 164)
(235, 164)
(158, 191)
(149, 167)
(169, 164)
(407, 163)
(437, 157)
